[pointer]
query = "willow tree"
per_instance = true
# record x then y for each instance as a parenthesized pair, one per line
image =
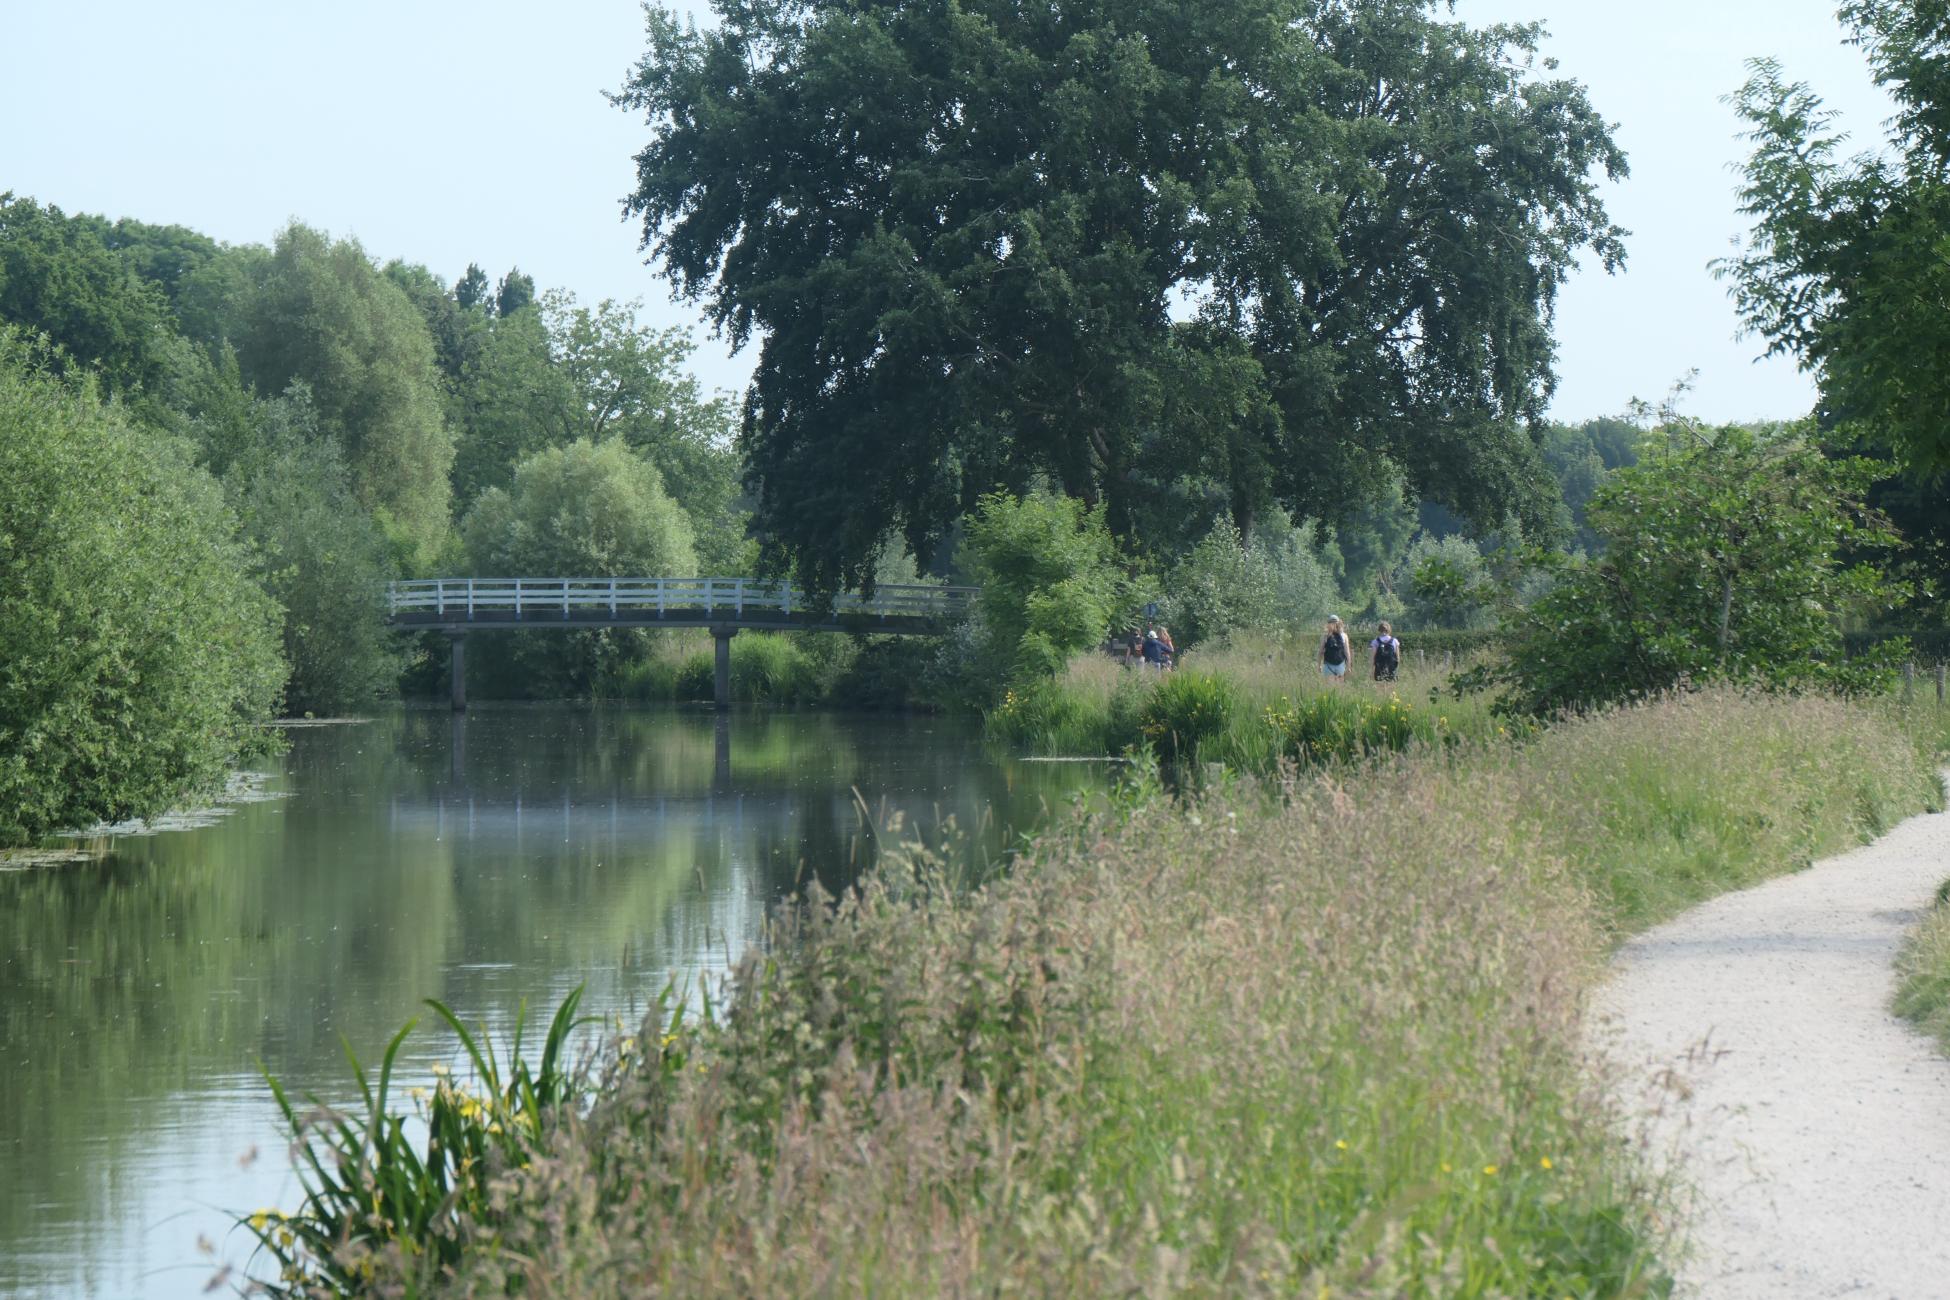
(1287, 250)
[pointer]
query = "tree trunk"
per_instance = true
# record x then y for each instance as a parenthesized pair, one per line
(1726, 616)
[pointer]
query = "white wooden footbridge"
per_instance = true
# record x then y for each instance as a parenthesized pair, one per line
(727, 606)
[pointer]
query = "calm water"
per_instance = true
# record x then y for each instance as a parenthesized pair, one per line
(510, 854)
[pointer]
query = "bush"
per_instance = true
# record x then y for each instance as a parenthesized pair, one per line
(137, 657)
(1222, 585)
(1445, 584)
(1047, 567)
(1723, 564)
(1923, 973)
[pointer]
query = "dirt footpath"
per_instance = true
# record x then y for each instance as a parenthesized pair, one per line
(1816, 1136)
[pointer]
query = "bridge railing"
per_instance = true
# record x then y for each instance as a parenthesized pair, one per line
(734, 598)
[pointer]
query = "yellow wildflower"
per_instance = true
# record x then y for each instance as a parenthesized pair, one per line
(1545, 1163)
(1340, 1144)
(1489, 1169)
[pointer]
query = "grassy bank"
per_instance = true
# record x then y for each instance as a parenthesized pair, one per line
(1250, 706)
(1318, 1035)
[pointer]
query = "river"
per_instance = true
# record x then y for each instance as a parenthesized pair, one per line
(484, 859)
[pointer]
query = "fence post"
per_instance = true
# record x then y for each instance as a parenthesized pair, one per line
(612, 598)
(517, 600)
(470, 600)
(1909, 681)
(1939, 683)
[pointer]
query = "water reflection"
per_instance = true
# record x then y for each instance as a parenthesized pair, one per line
(503, 855)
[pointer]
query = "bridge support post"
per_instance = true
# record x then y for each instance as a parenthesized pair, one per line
(721, 642)
(457, 669)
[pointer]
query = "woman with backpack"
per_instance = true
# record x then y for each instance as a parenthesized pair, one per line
(1385, 653)
(1335, 651)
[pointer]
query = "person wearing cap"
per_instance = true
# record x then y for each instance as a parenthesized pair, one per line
(1335, 651)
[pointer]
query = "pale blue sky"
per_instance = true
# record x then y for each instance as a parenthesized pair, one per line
(446, 132)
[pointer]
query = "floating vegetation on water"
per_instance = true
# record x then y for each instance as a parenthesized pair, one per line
(241, 788)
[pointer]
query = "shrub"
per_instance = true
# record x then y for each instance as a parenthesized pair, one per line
(1445, 584)
(137, 657)
(1724, 563)
(1048, 571)
(1222, 585)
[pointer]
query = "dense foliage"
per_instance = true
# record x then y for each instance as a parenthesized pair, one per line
(587, 510)
(322, 557)
(1845, 267)
(966, 235)
(1050, 580)
(1724, 561)
(136, 655)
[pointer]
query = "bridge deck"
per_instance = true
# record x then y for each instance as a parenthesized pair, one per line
(467, 604)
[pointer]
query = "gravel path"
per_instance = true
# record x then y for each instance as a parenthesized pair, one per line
(1812, 1127)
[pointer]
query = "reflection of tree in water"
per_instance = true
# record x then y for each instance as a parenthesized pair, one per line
(505, 856)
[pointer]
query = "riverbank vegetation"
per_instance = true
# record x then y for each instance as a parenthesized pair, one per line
(136, 653)
(1320, 1033)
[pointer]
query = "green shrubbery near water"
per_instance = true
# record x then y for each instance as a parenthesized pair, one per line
(1315, 1037)
(1251, 706)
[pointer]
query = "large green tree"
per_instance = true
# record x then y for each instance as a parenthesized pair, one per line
(136, 655)
(59, 277)
(322, 313)
(1848, 264)
(587, 509)
(631, 381)
(1293, 248)
(320, 556)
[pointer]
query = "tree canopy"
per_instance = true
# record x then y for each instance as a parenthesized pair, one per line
(1845, 266)
(324, 314)
(1292, 250)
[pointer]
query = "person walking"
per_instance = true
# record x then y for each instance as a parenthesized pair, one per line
(1154, 651)
(1335, 651)
(1385, 653)
(1171, 651)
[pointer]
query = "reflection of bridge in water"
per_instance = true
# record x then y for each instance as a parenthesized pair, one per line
(458, 606)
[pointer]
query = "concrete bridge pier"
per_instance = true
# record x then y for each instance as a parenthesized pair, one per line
(721, 686)
(457, 669)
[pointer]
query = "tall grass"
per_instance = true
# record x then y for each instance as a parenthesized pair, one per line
(1923, 973)
(1251, 706)
(1314, 1037)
